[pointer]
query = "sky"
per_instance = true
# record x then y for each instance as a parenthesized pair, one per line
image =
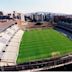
(27, 6)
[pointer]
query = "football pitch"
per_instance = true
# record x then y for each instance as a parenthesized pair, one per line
(42, 44)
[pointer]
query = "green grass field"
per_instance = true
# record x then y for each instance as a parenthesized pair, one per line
(40, 44)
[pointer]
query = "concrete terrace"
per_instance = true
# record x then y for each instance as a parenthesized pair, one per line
(4, 25)
(9, 50)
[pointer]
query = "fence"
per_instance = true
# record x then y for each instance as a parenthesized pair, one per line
(38, 64)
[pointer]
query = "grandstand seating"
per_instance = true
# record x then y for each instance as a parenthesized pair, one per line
(9, 57)
(6, 37)
(64, 25)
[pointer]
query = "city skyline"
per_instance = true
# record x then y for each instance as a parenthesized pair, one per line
(27, 6)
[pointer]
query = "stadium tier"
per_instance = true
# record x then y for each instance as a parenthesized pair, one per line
(7, 39)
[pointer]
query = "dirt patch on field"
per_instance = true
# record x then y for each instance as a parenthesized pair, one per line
(55, 54)
(39, 25)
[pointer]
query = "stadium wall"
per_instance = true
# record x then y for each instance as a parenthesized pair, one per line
(40, 65)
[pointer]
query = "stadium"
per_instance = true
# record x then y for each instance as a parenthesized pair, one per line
(35, 41)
